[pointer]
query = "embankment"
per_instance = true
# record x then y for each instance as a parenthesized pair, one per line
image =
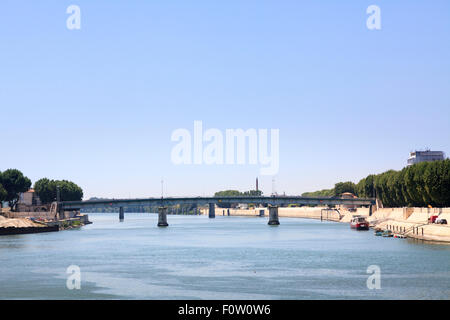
(36, 222)
(412, 222)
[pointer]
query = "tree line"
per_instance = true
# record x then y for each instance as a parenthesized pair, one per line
(13, 183)
(420, 185)
(236, 193)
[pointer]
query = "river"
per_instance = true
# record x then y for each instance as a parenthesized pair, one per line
(222, 258)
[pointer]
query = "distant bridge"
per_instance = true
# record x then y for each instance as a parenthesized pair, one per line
(160, 202)
(272, 202)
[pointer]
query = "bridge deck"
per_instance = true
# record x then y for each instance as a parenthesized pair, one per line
(277, 200)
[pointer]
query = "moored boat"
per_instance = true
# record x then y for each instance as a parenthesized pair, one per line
(387, 233)
(378, 232)
(359, 223)
(400, 236)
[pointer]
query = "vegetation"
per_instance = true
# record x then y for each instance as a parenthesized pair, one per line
(3, 193)
(318, 194)
(236, 193)
(339, 188)
(343, 187)
(420, 185)
(46, 190)
(12, 183)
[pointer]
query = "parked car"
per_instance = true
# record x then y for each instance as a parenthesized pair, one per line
(441, 221)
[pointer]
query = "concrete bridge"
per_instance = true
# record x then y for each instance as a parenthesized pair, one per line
(272, 202)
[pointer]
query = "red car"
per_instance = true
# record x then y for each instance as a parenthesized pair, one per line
(359, 223)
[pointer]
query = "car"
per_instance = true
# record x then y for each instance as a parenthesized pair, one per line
(441, 221)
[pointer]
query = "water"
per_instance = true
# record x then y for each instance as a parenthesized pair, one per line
(222, 258)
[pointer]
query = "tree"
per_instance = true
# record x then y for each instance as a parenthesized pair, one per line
(47, 190)
(325, 193)
(343, 187)
(3, 194)
(236, 193)
(253, 193)
(14, 183)
(437, 182)
(228, 193)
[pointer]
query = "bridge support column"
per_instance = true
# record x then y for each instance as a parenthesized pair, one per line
(121, 214)
(228, 212)
(370, 210)
(212, 210)
(261, 212)
(273, 216)
(162, 217)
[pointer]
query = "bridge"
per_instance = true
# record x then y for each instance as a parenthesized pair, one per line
(273, 202)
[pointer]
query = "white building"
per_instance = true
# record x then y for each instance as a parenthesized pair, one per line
(422, 156)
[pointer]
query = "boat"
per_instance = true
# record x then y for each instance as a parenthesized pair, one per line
(359, 223)
(387, 234)
(378, 232)
(400, 236)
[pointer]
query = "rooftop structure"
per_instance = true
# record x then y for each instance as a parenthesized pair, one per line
(422, 156)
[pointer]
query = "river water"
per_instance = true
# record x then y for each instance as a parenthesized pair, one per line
(222, 258)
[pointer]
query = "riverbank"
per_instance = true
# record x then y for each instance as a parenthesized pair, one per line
(412, 222)
(31, 222)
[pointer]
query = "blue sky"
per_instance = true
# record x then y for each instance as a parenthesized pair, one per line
(98, 105)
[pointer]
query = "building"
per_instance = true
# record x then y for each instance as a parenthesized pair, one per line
(29, 202)
(422, 156)
(29, 198)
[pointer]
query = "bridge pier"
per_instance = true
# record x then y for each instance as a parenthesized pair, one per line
(162, 217)
(273, 216)
(121, 214)
(212, 210)
(370, 210)
(228, 212)
(261, 212)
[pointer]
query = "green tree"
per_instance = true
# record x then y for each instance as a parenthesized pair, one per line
(3, 194)
(227, 193)
(436, 179)
(325, 193)
(14, 183)
(253, 193)
(47, 189)
(343, 187)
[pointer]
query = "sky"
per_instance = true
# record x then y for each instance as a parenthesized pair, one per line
(98, 105)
